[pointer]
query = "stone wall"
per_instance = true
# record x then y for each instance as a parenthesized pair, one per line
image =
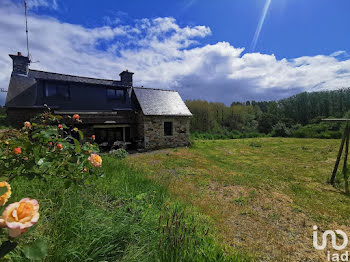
(153, 131)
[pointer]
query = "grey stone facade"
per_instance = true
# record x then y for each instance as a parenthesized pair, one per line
(152, 128)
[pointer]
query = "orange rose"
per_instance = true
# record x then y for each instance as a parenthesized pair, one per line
(60, 126)
(5, 196)
(17, 151)
(27, 124)
(76, 117)
(59, 146)
(20, 216)
(93, 137)
(95, 160)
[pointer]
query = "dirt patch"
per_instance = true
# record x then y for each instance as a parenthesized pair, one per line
(266, 224)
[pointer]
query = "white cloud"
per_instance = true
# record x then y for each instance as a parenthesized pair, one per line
(338, 53)
(164, 55)
(32, 4)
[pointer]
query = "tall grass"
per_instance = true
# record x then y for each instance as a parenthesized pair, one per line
(113, 218)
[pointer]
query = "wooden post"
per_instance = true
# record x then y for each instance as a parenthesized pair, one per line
(339, 156)
(345, 169)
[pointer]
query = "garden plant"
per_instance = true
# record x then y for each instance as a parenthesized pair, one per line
(45, 147)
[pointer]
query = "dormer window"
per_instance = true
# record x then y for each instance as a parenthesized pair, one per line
(57, 90)
(115, 94)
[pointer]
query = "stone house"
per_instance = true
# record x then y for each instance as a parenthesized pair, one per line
(113, 110)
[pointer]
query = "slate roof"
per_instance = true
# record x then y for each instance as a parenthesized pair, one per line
(155, 102)
(70, 78)
(158, 102)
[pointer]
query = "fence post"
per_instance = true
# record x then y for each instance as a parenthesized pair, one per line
(345, 168)
(339, 156)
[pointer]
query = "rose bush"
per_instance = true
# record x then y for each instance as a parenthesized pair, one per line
(48, 145)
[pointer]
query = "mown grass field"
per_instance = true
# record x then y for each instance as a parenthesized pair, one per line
(263, 194)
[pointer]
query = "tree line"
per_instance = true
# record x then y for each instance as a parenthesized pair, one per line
(282, 117)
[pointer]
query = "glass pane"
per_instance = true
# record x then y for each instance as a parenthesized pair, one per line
(119, 94)
(110, 93)
(50, 90)
(63, 90)
(115, 94)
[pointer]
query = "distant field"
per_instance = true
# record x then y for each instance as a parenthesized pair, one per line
(263, 194)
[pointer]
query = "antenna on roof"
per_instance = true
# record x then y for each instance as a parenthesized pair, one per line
(26, 17)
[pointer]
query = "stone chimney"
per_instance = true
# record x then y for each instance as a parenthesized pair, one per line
(20, 64)
(126, 78)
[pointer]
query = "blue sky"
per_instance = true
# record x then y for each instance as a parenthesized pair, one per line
(201, 48)
(292, 28)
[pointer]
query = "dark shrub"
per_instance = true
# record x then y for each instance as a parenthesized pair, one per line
(280, 129)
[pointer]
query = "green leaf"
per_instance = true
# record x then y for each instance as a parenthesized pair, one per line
(41, 161)
(81, 135)
(36, 250)
(77, 146)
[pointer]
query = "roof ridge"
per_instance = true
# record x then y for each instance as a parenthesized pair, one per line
(150, 88)
(74, 75)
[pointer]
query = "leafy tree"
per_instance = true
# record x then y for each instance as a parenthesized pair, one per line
(252, 116)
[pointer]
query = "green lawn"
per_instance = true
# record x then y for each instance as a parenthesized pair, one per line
(121, 216)
(263, 194)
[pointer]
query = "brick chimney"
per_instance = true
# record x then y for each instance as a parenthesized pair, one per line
(126, 78)
(20, 64)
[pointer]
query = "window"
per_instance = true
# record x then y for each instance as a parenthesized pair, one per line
(115, 94)
(57, 90)
(168, 128)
